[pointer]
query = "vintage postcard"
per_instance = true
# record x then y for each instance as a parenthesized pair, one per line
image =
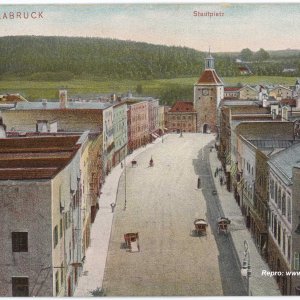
(149, 149)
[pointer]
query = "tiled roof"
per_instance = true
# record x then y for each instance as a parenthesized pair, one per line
(231, 88)
(56, 105)
(183, 106)
(9, 98)
(27, 173)
(36, 157)
(290, 102)
(209, 77)
(238, 102)
(38, 144)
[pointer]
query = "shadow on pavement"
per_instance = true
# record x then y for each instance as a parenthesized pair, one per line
(229, 265)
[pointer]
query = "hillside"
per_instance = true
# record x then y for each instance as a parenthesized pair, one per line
(51, 58)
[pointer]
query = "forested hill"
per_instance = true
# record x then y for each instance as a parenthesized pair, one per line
(62, 58)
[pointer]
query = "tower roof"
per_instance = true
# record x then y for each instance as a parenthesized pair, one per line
(209, 76)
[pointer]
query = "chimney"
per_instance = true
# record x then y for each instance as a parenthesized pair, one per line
(63, 99)
(265, 102)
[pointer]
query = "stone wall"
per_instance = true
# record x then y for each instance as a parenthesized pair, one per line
(25, 206)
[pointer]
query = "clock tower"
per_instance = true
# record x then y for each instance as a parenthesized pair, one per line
(208, 93)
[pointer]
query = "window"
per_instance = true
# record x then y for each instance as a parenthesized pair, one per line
(60, 228)
(57, 283)
(275, 227)
(283, 241)
(279, 198)
(279, 233)
(296, 261)
(283, 204)
(55, 236)
(289, 209)
(289, 248)
(272, 188)
(62, 273)
(19, 241)
(20, 287)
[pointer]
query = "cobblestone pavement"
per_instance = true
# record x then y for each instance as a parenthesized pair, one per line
(259, 285)
(162, 203)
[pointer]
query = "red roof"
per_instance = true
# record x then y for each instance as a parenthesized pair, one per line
(290, 102)
(231, 88)
(11, 98)
(183, 106)
(209, 76)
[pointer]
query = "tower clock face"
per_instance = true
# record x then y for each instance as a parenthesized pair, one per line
(205, 92)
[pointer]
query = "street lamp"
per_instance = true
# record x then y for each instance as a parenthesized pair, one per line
(246, 267)
(125, 202)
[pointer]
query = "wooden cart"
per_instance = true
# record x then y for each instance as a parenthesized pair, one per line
(132, 241)
(200, 226)
(222, 224)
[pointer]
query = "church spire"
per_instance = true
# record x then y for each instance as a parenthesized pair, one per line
(209, 61)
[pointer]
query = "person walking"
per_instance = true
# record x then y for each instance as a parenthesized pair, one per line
(112, 205)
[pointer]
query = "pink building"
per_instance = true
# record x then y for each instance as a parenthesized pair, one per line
(138, 124)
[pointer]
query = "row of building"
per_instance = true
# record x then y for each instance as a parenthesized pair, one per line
(260, 154)
(54, 157)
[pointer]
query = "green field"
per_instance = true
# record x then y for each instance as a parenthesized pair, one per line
(33, 90)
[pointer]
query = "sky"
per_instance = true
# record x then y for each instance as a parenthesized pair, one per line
(273, 26)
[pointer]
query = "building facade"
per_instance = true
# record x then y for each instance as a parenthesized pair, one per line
(182, 117)
(120, 132)
(208, 93)
(44, 257)
(138, 124)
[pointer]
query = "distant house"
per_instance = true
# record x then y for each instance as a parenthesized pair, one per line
(11, 98)
(244, 70)
(289, 70)
(243, 93)
(231, 92)
(281, 92)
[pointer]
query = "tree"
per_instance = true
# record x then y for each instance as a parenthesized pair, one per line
(261, 55)
(246, 54)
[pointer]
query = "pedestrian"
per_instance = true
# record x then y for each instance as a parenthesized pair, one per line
(121, 165)
(217, 171)
(112, 205)
(221, 180)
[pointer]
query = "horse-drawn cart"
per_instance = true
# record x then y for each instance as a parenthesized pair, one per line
(132, 241)
(200, 226)
(222, 224)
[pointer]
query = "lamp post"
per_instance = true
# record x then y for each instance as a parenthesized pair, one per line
(246, 267)
(125, 202)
